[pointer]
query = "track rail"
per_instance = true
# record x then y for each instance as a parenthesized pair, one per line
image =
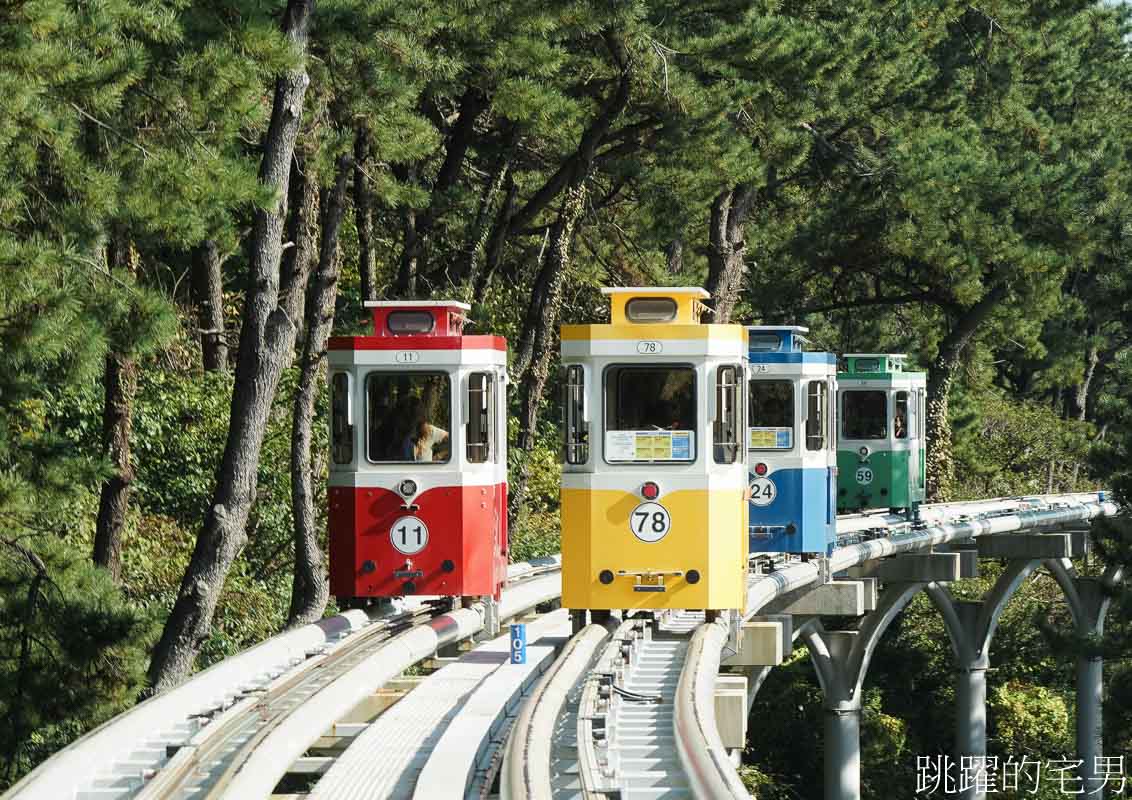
(128, 754)
(701, 748)
(248, 757)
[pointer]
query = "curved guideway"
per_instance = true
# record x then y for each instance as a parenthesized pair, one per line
(388, 757)
(701, 748)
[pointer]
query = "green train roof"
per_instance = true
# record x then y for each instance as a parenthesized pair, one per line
(876, 365)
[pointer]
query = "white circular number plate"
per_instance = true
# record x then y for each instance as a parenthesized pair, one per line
(864, 475)
(763, 492)
(650, 522)
(409, 535)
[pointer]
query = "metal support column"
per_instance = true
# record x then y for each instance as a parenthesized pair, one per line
(1088, 599)
(843, 753)
(970, 626)
(1090, 682)
(841, 659)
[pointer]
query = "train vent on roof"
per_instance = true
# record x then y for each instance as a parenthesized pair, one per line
(656, 305)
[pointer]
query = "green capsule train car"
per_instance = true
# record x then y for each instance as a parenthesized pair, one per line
(880, 442)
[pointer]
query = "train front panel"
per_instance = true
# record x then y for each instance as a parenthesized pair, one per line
(880, 452)
(791, 449)
(418, 482)
(653, 488)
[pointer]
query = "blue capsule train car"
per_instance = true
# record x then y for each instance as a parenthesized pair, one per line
(791, 443)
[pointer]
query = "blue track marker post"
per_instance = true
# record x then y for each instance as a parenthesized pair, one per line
(518, 644)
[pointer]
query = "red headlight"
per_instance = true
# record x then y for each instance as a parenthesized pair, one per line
(760, 469)
(650, 491)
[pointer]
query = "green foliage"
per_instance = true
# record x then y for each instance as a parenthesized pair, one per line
(1006, 446)
(909, 162)
(1030, 720)
(75, 649)
(537, 529)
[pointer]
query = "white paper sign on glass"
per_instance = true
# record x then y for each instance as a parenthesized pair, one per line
(650, 445)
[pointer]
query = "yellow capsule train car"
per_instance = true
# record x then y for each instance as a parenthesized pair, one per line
(654, 474)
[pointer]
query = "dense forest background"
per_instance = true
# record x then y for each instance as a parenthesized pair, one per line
(193, 195)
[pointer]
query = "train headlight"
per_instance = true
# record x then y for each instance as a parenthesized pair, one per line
(650, 491)
(760, 469)
(407, 487)
(863, 451)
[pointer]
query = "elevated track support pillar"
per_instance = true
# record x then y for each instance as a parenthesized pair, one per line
(841, 659)
(971, 625)
(1088, 599)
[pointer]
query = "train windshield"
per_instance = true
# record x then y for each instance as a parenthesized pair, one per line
(650, 414)
(864, 415)
(409, 415)
(771, 415)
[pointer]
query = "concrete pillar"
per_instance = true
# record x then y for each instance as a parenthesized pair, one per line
(1090, 683)
(971, 711)
(841, 659)
(1088, 599)
(843, 753)
(970, 626)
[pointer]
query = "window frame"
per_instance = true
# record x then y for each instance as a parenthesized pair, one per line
(650, 317)
(896, 404)
(574, 407)
(487, 415)
(347, 398)
(410, 312)
(737, 427)
(792, 405)
(432, 372)
(695, 412)
(822, 411)
(845, 436)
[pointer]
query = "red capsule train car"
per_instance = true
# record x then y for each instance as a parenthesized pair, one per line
(418, 466)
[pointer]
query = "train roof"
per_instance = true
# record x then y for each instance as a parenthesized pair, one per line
(878, 365)
(689, 291)
(790, 328)
(417, 304)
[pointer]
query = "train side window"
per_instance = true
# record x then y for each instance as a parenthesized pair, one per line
(727, 419)
(921, 416)
(408, 416)
(575, 429)
(817, 406)
(341, 426)
(900, 416)
(770, 415)
(864, 414)
(481, 413)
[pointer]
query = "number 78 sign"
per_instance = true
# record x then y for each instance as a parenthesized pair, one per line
(650, 522)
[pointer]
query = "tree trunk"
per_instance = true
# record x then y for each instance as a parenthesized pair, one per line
(471, 104)
(940, 478)
(267, 337)
(363, 215)
(310, 588)
(674, 256)
(406, 286)
(208, 297)
(120, 384)
(575, 172)
(545, 305)
(727, 250)
(470, 270)
(496, 240)
(1080, 397)
(302, 234)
